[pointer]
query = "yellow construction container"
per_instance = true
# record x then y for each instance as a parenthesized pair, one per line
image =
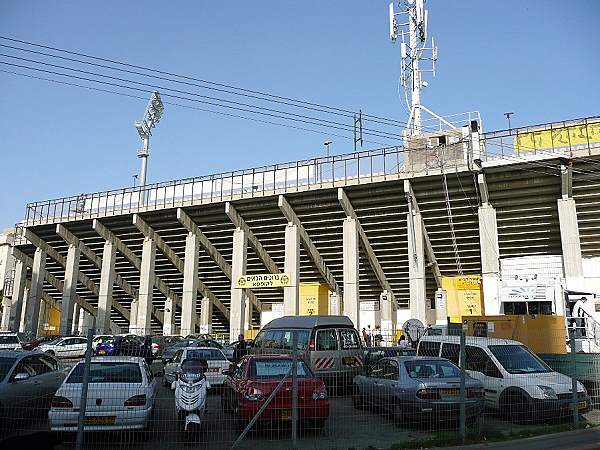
(53, 327)
(314, 299)
(464, 297)
(542, 334)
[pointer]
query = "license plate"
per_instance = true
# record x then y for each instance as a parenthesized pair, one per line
(286, 414)
(453, 392)
(102, 352)
(100, 420)
(582, 405)
(213, 369)
(349, 361)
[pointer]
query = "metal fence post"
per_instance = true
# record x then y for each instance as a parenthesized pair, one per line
(463, 393)
(574, 400)
(295, 390)
(84, 387)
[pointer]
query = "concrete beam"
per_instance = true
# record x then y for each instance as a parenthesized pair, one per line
(190, 286)
(308, 244)
(179, 264)
(144, 316)
(237, 323)
(570, 243)
(68, 304)
(490, 258)
(414, 206)
(212, 251)
(96, 260)
(291, 294)
(240, 223)
(81, 277)
(108, 235)
(351, 271)
(483, 189)
(566, 180)
(38, 272)
(364, 240)
(105, 294)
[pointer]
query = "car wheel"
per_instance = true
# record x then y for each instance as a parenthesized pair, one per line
(517, 408)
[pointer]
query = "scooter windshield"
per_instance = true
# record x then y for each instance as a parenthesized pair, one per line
(192, 370)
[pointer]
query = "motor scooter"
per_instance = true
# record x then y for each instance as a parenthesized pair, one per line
(191, 391)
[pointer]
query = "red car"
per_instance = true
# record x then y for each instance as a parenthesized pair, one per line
(250, 382)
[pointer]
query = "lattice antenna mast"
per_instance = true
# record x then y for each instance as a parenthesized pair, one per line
(413, 27)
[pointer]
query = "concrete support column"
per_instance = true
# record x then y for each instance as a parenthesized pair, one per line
(169, 318)
(416, 266)
(43, 317)
(570, 242)
(105, 294)
(351, 265)
(133, 315)
(76, 314)
(38, 273)
(237, 316)
(291, 294)
(6, 309)
(249, 311)
(23, 322)
(144, 316)
(206, 310)
(335, 301)
(388, 316)
(18, 300)
(69, 291)
(490, 259)
(190, 285)
(88, 323)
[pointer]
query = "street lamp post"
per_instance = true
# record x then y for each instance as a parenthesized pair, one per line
(152, 116)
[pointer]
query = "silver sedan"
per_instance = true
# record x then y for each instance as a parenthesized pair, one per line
(417, 389)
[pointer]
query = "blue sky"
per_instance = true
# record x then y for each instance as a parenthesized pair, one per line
(536, 58)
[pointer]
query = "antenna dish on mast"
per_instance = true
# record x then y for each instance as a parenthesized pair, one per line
(393, 24)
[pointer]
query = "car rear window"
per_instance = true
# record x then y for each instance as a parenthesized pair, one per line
(349, 339)
(5, 365)
(108, 372)
(428, 348)
(282, 339)
(275, 368)
(431, 369)
(8, 339)
(208, 355)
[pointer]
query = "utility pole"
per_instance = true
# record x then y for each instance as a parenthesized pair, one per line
(508, 114)
(327, 144)
(152, 116)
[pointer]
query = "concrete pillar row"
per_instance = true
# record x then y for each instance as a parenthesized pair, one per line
(69, 290)
(206, 310)
(18, 299)
(490, 258)
(38, 273)
(190, 285)
(237, 316)
(105, 295)
(570, 242)
(169, 318)
(291, 294)
(416, 266)
(351, 265)
(146, 290)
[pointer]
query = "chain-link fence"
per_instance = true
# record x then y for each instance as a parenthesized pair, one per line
(331, 387)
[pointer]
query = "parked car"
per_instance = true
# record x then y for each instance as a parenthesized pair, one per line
(329, 344)
(99, 339)
(170, 352)
(65, 347)
(121, 395)
(216, 363)
(32, 343)
(415, 388)
(250, 382)
(374, 354)
(517, 383)
(11, 341)
(27, 382)
(160, 343)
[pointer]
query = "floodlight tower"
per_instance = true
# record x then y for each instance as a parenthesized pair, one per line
(413, 51)
(152, 116)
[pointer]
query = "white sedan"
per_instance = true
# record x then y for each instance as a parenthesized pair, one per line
(215, 359)
(66, 347)
(121, 394)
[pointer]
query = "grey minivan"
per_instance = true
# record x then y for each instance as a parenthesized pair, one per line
(329, 344)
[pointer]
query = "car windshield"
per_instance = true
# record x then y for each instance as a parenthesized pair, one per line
(8, 339)
(431, 369)
(261, 369)
(184, 343)
(54, 341)
(206, 354)
(108, 372)
(5, 365)
(518, 359)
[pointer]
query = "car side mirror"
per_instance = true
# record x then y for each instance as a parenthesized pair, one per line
(21, 377)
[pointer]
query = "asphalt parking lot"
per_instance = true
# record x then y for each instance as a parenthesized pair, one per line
(347, 428)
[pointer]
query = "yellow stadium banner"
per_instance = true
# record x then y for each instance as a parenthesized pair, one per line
(567, 136)
(264, 281)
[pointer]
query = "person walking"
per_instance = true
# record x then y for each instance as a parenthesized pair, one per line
(369, 339)
(241, 348)
(365, 336)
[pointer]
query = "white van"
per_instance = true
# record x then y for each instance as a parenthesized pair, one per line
(516, 381)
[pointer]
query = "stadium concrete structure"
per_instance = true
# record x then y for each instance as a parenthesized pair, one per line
(166, 257)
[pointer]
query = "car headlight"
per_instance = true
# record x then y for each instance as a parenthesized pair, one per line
(548, 392)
